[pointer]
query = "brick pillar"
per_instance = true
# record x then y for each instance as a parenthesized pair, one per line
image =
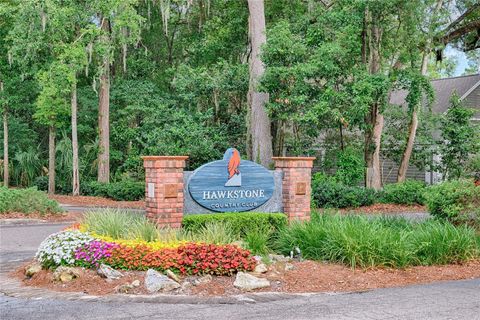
(164, 189)
(296, 185)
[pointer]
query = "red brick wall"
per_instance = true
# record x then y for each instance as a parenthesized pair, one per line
(165, 207)
(296, 185)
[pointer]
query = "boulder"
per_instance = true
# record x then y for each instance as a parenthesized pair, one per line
(155, 281)
(260, 268)
(66, 274)
(33, 269)
(247, 282)
(202, 280)
(136, 283)
(108, 272)
(172, 275)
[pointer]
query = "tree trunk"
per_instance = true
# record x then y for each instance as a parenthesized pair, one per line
(373, 136)
(5, 149)
(51, 160)
(412, 131)
(76, 175)
(104, 118)
(261, 140)
(372, 151)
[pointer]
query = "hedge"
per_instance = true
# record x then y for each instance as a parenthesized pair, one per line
(241, 223)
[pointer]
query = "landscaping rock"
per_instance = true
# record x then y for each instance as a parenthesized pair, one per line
(202, 280)
(186, 286)
(257, 258)
(125, 288)
(108, 272)
(33, 269)
(247, 282)
(260, 268)
(155, 281)
(66, 274)
(289, 267)
(279, 258)
(172, 275)
(136, 283)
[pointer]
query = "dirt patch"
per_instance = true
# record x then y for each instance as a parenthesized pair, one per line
(59, 217)
(89, 282)
(307, 276)
(87, 201)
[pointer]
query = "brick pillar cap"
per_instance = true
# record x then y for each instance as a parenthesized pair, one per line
(293, 162)
(153, 158)
(294, 158)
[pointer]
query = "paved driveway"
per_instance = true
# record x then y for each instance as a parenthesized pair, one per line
(442, 300)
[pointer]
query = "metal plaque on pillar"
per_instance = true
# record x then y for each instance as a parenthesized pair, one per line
(231, 184)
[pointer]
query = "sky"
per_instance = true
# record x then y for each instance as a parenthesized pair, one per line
(461, 62)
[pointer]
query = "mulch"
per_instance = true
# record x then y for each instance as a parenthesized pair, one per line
(307, 276)
(383, 208)
(58, 217)
(88, 201)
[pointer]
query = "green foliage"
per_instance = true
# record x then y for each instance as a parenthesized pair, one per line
(27, 201)
(41, 183)
(459, 139)
(366, 242)
(408, 192)
(327, 192)
(126, 190)
(120, 224)
(350, 167)
(259, 241)
(241, 222)
(217, 232)
(457, 201)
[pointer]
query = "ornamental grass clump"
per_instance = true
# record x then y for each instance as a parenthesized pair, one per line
(367, 242)
(120, 224)
(59, 248)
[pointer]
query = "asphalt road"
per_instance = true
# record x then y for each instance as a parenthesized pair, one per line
(442, 300)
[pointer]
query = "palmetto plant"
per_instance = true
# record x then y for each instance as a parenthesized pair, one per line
(27, 166)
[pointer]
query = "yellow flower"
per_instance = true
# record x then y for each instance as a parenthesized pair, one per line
(154, 245)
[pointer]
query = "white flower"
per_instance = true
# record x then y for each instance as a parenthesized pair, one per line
(59, 248)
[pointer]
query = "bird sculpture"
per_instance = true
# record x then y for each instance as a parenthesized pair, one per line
(233, 163)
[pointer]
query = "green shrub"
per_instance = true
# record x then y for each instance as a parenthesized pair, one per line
(41, 183)
(26, 201)
(241, 222)
(458, 201)
(365, 242)
(94, 188)
(408, 192)
(126, 190)
(328, 193)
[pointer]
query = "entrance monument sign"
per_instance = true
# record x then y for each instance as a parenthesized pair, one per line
(231, 184)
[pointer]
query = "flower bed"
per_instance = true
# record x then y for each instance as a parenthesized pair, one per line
(76, 247)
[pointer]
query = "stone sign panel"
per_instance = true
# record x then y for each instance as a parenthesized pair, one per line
(231, 184)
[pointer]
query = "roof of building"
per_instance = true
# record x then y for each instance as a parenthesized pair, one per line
(443, 88)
